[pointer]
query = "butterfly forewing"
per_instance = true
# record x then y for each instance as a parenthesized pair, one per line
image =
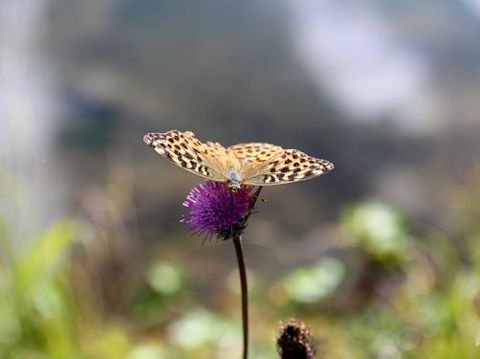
(184, 150)
(255, 152)
(290, 166)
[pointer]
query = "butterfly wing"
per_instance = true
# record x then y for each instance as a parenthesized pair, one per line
(289, 166)
(187, 152)
(254, 156)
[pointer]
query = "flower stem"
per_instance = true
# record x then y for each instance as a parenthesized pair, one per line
(237, 241)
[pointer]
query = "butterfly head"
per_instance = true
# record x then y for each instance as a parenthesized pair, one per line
(233, 180)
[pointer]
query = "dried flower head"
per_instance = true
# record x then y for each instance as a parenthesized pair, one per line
(217, 211)
(295, 341)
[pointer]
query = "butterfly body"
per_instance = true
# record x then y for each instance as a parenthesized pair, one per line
(234, 180)
(259, 164)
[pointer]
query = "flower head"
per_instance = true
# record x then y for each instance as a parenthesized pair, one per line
(217, 211)
(295, 340)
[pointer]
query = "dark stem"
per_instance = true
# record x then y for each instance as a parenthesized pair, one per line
(250, 208)
(237, 241)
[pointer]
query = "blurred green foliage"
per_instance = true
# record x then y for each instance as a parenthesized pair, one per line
(313, 283)
(408, 296)
(37, 311)
(377, 229)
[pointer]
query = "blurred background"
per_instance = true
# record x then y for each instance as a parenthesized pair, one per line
(380, 258)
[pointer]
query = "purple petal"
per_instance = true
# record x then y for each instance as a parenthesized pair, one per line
(214, 210)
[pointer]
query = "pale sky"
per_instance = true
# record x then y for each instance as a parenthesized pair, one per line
(350, 52)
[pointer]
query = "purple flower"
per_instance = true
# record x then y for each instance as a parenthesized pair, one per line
(217, 211)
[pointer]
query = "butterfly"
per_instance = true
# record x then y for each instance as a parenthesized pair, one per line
(258, 164)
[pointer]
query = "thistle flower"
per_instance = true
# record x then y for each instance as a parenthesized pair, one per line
(217, 211)
(295, 341)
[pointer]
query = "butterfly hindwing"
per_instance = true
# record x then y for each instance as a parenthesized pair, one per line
(254, 156)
